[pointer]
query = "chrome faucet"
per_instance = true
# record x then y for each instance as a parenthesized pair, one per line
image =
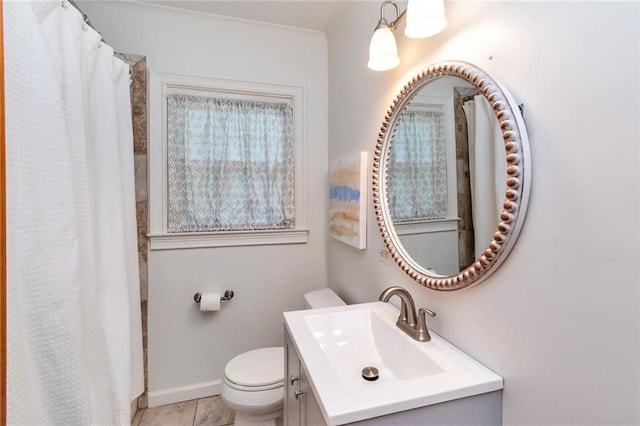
(412, 324)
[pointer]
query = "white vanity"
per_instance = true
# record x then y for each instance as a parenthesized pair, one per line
(418, 382)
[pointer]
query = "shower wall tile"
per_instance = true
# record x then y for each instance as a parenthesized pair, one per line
(139, 106)
(144, 278)
(140, 169)
(466, 255)
(136, 418)
(142, 399)
(141, 217)
(139, 89)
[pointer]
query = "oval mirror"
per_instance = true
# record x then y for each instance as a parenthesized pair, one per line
(451, 176)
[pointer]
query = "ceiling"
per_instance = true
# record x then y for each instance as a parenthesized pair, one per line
(309, 14)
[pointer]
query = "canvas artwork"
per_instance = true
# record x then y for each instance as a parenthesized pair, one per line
(348, 200)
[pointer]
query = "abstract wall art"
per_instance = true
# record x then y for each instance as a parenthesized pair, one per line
(348, 200)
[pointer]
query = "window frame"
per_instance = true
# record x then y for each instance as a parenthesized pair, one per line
(162, 84)
(442, 104)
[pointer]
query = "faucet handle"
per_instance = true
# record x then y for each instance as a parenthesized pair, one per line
(422, 332)
(423, 311)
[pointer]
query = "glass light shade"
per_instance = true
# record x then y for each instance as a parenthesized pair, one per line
(383, 52)
(425, 18)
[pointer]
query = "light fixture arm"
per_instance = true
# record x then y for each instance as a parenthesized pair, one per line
(399, 16)
(424, 18)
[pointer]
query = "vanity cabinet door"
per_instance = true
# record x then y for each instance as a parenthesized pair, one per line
(311, 414)
(292, 407)
(300, 405)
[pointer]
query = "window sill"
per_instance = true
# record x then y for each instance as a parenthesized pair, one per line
(226, 239)
(427, 226)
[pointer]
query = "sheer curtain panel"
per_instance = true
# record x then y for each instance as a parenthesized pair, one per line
(417, 174)
(230, 164)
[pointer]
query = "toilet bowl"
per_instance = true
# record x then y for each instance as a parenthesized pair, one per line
(254, 381)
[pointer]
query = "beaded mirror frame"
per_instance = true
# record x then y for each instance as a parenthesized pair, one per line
(518, 178)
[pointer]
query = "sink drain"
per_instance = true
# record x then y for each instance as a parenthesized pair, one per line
(370, 373)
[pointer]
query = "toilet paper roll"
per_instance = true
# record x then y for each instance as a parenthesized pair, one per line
(210, 302)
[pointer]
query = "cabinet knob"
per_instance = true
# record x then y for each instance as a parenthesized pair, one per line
(293, 379)
(297, 394)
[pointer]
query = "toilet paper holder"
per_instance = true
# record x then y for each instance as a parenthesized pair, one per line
(228, 295)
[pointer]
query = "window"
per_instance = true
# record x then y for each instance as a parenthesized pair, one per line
(417, 175)
(421, 175)
(230, 164)
(230, 169)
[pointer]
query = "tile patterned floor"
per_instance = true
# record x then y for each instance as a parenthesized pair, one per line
(210, 411)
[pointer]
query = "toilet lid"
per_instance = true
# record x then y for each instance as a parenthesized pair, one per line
(260, 367)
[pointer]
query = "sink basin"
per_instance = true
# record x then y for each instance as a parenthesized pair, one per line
(335, 344)
(358, 338)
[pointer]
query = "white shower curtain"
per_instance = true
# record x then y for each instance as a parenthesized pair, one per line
(74, 347)
(487, 169)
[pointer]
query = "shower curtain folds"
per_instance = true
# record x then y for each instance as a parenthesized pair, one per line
(74, 347)
(487, 169)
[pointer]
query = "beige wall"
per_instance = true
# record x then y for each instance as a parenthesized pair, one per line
(559, 320)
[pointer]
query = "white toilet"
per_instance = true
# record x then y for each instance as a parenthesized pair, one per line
(254, 381)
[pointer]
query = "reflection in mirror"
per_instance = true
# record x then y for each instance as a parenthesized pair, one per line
(446, 176)
(451, 176)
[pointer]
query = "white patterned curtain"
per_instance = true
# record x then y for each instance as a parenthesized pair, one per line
(230, 164)
(417, 174)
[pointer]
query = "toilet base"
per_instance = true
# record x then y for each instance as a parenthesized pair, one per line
(260, 408)
(242, 420)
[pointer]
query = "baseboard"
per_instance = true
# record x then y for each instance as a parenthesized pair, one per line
(184, 393)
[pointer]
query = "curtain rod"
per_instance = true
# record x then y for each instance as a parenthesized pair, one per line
(85, 18)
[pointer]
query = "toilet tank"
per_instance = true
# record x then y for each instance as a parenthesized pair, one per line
(323, 298)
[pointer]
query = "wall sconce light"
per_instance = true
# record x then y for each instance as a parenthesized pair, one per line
(424, 18)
